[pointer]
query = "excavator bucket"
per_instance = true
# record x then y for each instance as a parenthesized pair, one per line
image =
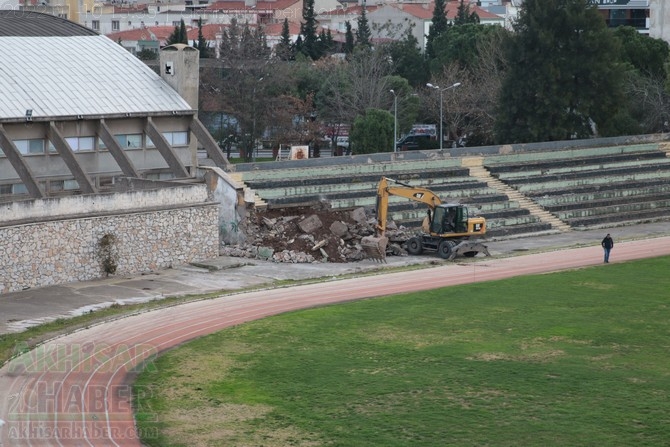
(469, 249)
(375, 247)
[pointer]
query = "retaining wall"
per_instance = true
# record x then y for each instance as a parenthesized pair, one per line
(49, 250)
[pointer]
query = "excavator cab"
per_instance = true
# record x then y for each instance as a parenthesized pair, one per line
(452, 218)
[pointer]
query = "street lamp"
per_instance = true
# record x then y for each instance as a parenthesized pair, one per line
(395, 120)
(436, 87)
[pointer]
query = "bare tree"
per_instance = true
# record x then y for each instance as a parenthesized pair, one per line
(650, 101)
(469, 110)
(350, 88)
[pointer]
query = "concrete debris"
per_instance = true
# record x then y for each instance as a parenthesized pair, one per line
(310, 224)
(312, 234)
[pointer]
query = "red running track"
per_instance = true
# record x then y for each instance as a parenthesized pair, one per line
(75, 390)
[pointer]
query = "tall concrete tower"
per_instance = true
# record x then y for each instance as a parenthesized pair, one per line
(180, 68)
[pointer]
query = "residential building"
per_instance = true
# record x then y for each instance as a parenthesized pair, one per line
(393, 19)
(634, 13)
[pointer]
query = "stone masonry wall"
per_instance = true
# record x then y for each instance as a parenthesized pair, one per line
(63, 251)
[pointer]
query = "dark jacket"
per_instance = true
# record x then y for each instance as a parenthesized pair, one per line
(608, 242)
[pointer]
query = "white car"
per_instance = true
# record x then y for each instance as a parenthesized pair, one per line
(342, 142)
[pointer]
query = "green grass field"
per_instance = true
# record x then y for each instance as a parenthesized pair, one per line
(565, 359)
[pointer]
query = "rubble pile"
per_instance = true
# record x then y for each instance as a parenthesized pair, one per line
(306, 235)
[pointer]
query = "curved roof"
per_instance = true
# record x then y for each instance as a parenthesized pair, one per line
(75, 75)
(27, 23)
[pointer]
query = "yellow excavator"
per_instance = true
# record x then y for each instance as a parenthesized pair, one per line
(447, 230)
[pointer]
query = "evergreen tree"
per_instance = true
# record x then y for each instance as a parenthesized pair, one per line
(243, 43)
(464, 16)
(363, 33)
(284, 49)
(439, 25)
(201, 44)
(179, 35)
(565, 80)
(408, 61)
(310, 45)
(348, 38)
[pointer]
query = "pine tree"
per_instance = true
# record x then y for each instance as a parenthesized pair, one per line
(284, 49)
(348, 38)
(310, 43)
(564, 75)
(201, 44)
(464, 16)
(179, 35)
(363, 33)
(438, 27)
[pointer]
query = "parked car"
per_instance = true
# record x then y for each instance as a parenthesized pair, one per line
(417, 142)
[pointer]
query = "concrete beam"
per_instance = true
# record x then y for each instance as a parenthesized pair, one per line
(65, 151)
(205, 138)
(116, 150)
(20, 166)
(169, 155)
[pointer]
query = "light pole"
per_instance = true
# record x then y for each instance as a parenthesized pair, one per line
(254, 147)
(429, 85)
(395, 120)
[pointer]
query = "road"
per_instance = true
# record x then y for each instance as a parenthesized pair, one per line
(75, 390)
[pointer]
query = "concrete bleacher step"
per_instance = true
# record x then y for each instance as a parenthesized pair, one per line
(249, 194)
(665, 147)
(479, 171)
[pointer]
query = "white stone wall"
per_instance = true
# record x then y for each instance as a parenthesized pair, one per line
(63, 251)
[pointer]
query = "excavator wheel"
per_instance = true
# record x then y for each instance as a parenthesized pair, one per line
(445, 248)
(414, 246)
(375, 247)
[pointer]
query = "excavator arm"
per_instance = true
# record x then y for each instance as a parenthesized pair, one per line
(375, 246)
(385, 190)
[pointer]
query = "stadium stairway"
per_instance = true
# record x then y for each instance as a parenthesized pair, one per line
(477, 170)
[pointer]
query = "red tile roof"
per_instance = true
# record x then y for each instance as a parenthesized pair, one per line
(160, 32)
(274, 29)
(425, 10)
(234, 5)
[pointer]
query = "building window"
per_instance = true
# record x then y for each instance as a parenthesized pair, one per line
(176, 23)
(115, 25)
(19, 188)
(95, 25)
(172, 138)
(159, 176)
(176, 138)
(131, 141)
(56, 185)
(30, 147)
(79, 144)
(69, 185)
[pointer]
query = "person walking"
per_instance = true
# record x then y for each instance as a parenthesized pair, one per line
(607, 244)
